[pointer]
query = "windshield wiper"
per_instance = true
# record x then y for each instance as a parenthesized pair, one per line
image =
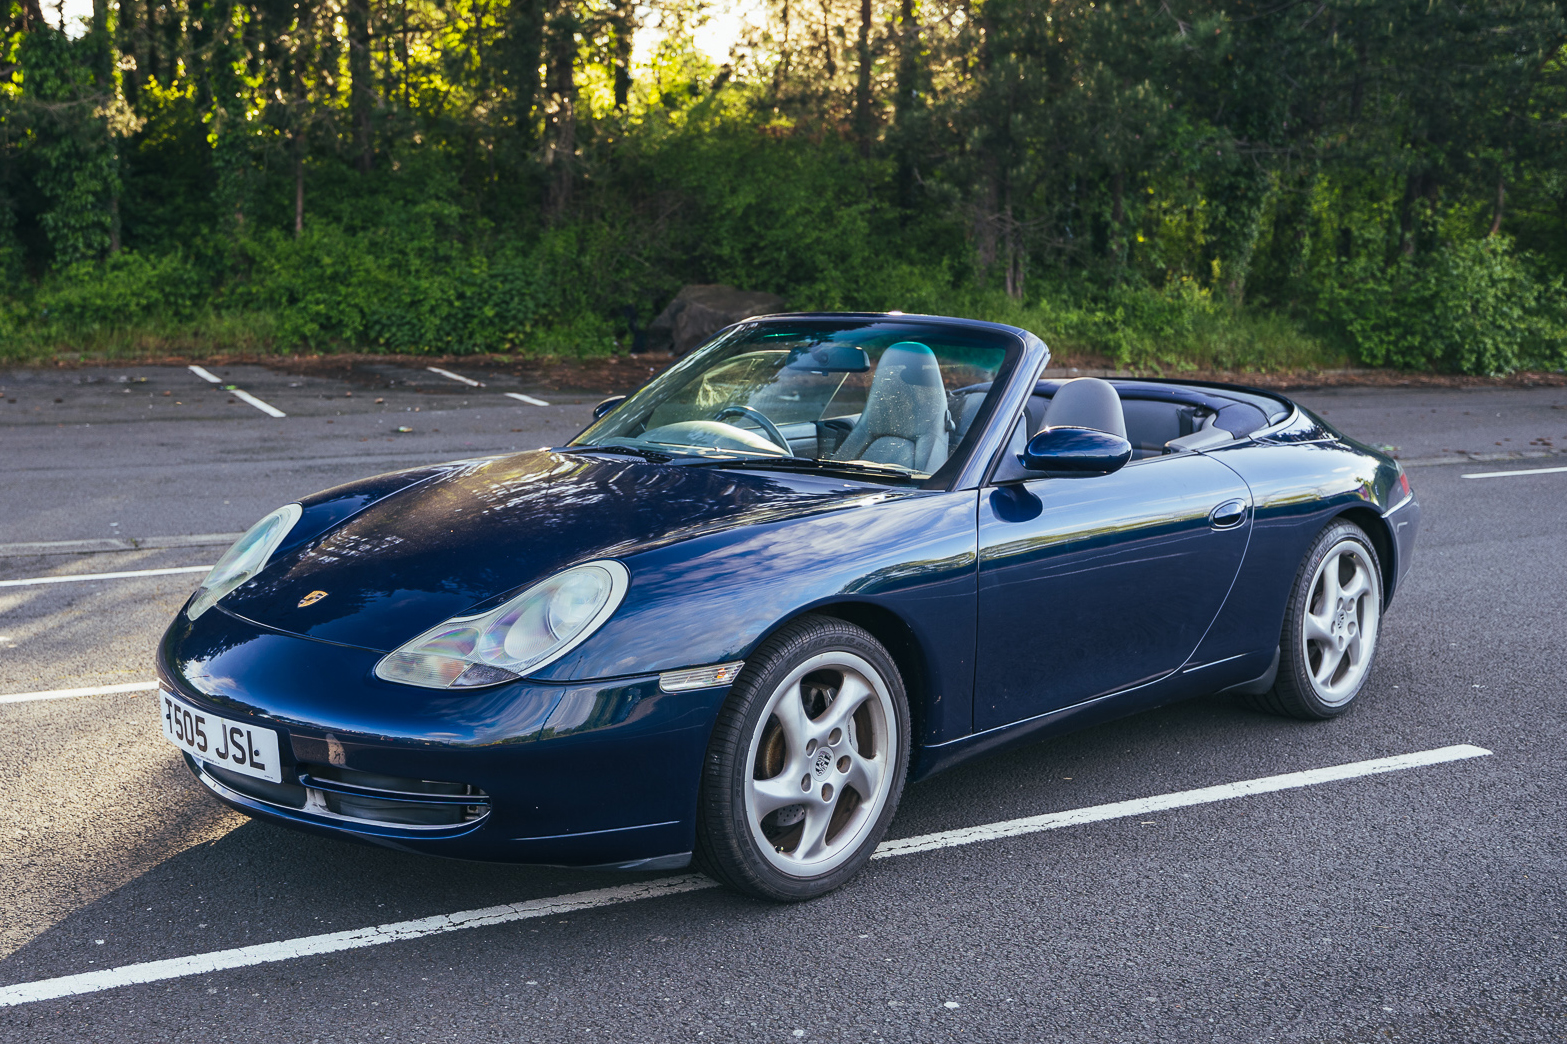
(852, 467)
(633, 451)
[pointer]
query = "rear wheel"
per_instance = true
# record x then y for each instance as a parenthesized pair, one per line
(806, 763)
(1330, 628)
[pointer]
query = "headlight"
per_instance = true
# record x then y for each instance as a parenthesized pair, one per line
(245, 559)
(537, 627)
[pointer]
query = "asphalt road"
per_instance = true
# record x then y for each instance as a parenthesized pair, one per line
(1419, 905)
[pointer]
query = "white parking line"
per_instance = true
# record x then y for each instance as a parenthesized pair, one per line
(30, 581)
(242, 396)
(530, 400)
(111, 544)
(470, 382)
(1507, 474)
(1182, 799)
(265, 953)
(264, 407)
(65, 694)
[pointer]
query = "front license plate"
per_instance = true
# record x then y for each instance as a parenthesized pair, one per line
(233, 745)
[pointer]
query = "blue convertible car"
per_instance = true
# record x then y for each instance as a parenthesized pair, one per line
(817, 557)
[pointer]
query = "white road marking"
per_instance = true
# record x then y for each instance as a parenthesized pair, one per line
(530, 400)
(1180, 799)
(314, 945)
(65, 694)
(263, 953)
(111, 544)
(267, 408)
(1505, 474)
(470, 382)
(102, 576)
(242, 396)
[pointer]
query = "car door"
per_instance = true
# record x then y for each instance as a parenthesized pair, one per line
(1088, 586)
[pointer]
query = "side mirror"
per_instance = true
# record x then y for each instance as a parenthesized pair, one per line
(607, 405)
(1068, 451)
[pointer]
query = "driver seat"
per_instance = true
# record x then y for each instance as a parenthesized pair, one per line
(905, 417)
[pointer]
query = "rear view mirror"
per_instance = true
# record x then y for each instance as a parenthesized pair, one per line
(1066, 451)
(607, 405)
(832, 358)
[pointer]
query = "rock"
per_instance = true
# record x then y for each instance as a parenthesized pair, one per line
(698, 312)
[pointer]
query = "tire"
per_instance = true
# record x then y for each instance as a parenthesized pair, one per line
(830, 773)
(1330, 627)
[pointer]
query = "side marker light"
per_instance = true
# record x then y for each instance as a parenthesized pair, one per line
(700, 677)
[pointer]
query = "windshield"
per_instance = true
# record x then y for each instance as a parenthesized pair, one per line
(892, 395)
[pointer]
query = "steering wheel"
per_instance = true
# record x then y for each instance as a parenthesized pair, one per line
(768, 427)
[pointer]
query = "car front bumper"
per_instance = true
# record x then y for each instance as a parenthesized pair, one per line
(600, 773)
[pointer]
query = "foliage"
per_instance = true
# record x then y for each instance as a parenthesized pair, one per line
(1221, 183)
(1471, 306)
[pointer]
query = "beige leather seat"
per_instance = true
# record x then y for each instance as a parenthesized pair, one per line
(905, 417)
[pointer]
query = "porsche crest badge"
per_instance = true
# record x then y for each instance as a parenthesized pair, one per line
(312, 598)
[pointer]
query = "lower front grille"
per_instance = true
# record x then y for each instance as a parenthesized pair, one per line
(394, 800)
(290, 794)
(361, 797)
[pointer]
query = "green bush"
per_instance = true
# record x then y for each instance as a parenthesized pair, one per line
(127, 290)
(1468, 307)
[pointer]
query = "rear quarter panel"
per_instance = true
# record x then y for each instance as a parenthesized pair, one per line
(1297, 489)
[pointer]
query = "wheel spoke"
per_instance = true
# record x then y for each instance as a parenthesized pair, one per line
(797, 728)
(1332, 656)
(1355, 650)
(1330, 586)
(864, 776)
(813, 840)
(851, 694)
(1320, 627)
(1358, 585)
(769, 795)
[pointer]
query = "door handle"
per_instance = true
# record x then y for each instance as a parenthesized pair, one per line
(1228, 515)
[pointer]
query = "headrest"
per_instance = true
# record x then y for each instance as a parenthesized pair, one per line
(1087, 402)
(911, 362)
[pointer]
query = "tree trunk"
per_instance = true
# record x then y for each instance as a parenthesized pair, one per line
(361, 90)
(32, 14)
(864, 123)
(299, 190)
(1014, 249)
(624, 22)
(1118, 217)
(561, 85)
(907, 101)
(125, 28)
(985, 226)
(1501, 199)
(781, 70)
(520, 46)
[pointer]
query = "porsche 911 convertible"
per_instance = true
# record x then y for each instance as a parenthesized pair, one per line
(817, 557)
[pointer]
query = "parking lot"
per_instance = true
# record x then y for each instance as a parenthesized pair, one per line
(1421, 901)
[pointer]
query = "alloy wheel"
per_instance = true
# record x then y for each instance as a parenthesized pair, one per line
(1339, 626)
(821, 758)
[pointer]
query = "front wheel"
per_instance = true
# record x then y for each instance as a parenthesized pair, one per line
(1330, 627)
(806, 764)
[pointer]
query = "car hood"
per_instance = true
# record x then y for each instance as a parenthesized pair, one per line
(487, 529)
